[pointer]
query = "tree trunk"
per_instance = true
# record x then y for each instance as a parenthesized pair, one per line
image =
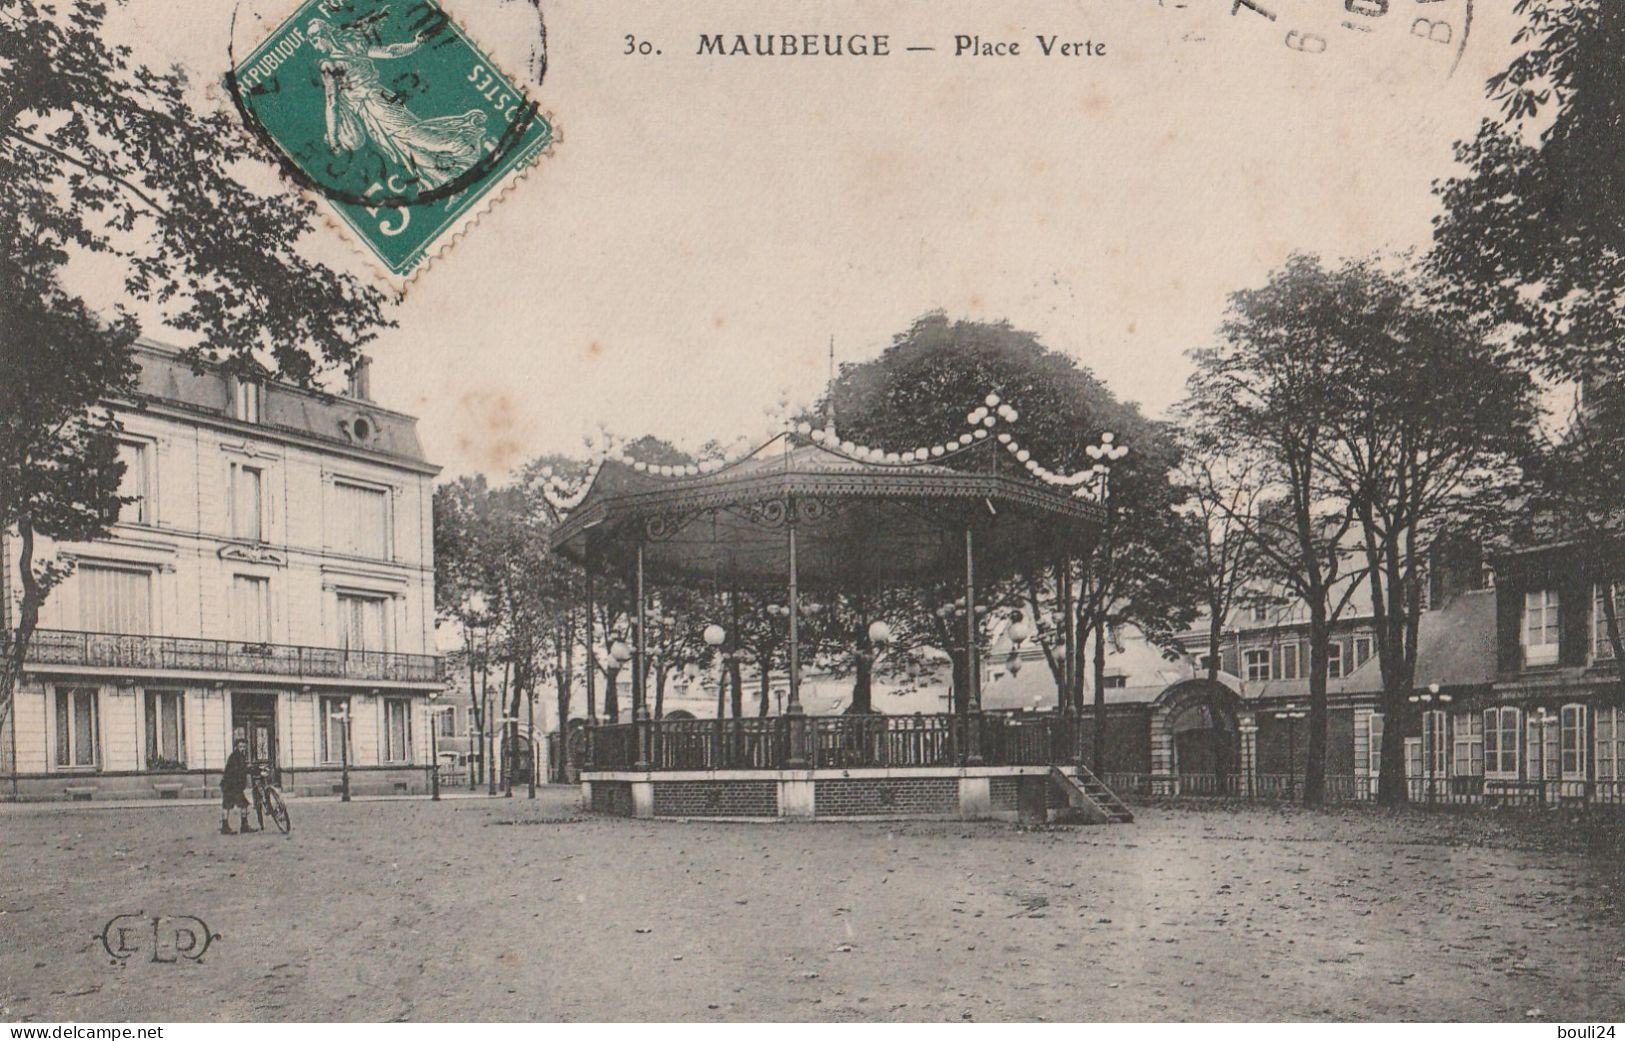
(27, 620)
(612, 695)
(736, 684)
(660, 691)
(1215, 636)
(961, 682)
(863, 682)
(1314, 766)
(484, 727)
(736, 687)
(767, 690)
(1098, 755)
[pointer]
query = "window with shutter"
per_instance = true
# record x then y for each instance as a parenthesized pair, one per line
(166, 730)
(251, 608)
(1501, 743)
(362, 622)
(334, 716)
(114, 599)
(363, 521)
(1572, 743)
(247, 502)
(397, 730)
(76, 728)
(135, 485)
(1540, 627)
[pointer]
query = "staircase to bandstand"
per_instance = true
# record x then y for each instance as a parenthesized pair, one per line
(1088, 799)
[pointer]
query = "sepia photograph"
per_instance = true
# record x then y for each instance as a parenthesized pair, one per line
(812, 512)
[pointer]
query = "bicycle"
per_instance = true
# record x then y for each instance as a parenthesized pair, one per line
(268, 800)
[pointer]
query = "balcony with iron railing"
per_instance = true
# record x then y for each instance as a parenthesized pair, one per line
(71, 649)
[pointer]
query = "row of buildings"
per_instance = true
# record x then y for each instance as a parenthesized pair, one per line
(273, 578)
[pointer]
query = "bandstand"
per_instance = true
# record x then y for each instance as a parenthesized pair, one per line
(809, 515)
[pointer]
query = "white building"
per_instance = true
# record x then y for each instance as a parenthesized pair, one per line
(275, 570)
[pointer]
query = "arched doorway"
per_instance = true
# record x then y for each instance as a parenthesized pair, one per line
(1196, 739)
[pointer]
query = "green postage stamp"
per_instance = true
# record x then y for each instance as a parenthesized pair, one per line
(393, 114)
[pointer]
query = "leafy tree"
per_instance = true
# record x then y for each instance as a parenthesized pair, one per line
(59, 468)
(838, 635)
(1416, 459)
(105, 156)
(1223, 510)
(1532, 238)
(1266, 396)
(463, 582)
(1365, 464)
(918, 391)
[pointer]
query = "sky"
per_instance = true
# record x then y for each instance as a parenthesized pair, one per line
(706, 226)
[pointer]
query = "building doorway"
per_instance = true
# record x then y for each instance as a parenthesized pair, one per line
(1196, 739)
(1204, 751)
(253, 718)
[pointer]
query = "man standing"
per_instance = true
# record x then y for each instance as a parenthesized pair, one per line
(233, 789)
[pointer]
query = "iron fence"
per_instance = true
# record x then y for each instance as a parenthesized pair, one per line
(833, 742)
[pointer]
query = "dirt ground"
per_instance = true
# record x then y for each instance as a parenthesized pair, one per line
(518, 910)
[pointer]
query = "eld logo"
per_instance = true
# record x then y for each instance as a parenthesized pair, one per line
(166, 938)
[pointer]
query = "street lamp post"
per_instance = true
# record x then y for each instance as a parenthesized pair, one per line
(488, 751)
(1430, 754)
(1104, 454)
(1291, 713)
(511, 732)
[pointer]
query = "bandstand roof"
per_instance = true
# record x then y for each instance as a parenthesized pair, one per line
(857, 522)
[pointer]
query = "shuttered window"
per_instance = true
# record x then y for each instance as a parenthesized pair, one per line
(251, 608)
(1572, 731)
(114, 600)
(334, 713)
(1469, 747)
(362, 622)
(1376, 742)
(166, 730)
(1602, 648)
(362, 521)
(1540, 745)
(247, 502)
(1290, 669)
(135, 484)
(1435, 740)
(1501, 743)
(397, 730)
(1610, 744)
(1540, 627)
(76, 737)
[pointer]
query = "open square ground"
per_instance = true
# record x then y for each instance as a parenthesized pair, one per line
(515, 910)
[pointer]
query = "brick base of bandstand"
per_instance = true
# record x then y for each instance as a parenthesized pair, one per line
(925, 793)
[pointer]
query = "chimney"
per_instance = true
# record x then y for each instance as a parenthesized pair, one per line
(361, 378)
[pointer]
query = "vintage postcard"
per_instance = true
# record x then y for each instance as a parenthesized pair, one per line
(812, 511)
